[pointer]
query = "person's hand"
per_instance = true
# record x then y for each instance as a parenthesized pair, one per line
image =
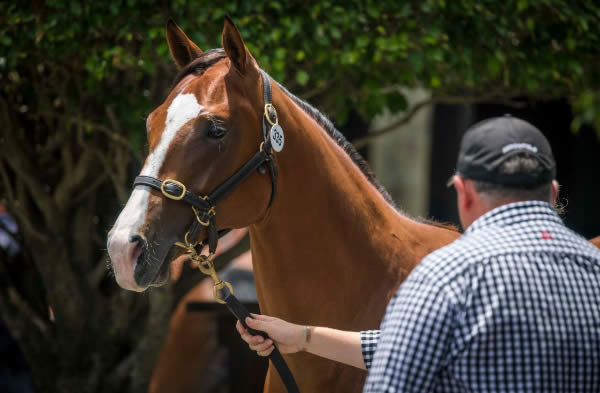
(288, 337)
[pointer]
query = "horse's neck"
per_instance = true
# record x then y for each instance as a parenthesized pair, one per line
(330, 243)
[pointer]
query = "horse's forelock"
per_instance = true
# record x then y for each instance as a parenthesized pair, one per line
(201, 64)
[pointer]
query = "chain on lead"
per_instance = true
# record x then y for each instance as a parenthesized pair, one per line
(205, 264)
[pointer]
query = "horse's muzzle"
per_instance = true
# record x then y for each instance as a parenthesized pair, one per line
(127, 255)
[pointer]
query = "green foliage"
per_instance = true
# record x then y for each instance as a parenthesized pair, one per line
(78, 78)
(586, 110)
(346, 52)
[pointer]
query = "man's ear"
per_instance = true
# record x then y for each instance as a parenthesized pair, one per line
(464, 195)
(234, 46)
(183, 50)
(555, 189)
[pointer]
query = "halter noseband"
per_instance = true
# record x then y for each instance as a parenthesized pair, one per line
(204, 207)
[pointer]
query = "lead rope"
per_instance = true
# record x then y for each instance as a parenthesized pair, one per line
(205, 264)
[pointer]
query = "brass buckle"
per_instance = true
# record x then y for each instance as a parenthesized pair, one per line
(205, 264)
(217, 287)
(187, 245)
(267, 107)
(210, 212)
(174, 197)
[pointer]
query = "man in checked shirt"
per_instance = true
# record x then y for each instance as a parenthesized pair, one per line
(513, 305)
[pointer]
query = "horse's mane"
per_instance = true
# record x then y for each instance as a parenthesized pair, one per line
(212, 56)
(355, 156)
(341, 140)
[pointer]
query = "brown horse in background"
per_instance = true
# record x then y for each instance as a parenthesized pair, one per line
(190, 352)
(596, 241)
(332, 248)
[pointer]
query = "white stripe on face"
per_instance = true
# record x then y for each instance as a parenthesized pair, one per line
(182, 109)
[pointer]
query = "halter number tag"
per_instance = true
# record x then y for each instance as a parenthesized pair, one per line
(277, 138)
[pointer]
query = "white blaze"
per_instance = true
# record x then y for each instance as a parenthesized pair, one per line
(183, 108)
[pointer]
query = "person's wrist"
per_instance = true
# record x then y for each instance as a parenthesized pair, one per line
(306, 337)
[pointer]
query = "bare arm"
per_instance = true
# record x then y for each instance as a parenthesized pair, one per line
(338, 345)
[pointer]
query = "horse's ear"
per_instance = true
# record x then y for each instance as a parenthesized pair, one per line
(182, 48)
(234, 46)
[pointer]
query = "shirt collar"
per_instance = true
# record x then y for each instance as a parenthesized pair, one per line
(514, 213)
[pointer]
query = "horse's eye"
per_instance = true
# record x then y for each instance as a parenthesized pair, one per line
(214, 129)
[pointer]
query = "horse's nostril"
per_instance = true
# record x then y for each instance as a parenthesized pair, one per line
(137, 250)
(136, 239)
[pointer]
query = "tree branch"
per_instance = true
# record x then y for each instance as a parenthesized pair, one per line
(118, 375)
(20, 304)
(6, 181)
(22, 217)
(98, 127)
(15, 157)
(114, 122)
(408, 116)
(99, 179)
(73, 179)
(98, 272)
(118, 176)
(316, 91)
(19, 316)
(369, 138)
(32, 342)
(24, 172)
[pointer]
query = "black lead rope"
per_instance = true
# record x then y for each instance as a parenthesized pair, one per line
(204, 211)
(240, 312)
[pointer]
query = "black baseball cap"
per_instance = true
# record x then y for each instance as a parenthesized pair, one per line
(489, 143)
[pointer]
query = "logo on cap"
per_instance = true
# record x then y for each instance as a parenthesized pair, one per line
(519, 146)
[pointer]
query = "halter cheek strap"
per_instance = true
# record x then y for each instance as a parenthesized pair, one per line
(269, 115)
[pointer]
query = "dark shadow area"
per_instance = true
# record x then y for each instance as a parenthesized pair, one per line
(576, 156)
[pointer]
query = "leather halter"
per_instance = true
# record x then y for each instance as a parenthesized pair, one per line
(204, 209)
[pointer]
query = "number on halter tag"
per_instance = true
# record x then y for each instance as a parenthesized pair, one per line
(277, 138)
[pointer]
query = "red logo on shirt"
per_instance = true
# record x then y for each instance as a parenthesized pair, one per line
(546, 235)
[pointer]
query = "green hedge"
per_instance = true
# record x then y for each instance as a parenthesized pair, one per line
(341, 54)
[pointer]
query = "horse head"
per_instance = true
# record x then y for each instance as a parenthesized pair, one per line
(206, 129)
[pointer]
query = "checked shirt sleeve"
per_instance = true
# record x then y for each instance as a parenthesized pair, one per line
(414, 339)
(368, 344)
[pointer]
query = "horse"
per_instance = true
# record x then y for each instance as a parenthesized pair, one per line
(596, 241)
(329, 246)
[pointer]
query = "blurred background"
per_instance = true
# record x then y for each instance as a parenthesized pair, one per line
(401, 79)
